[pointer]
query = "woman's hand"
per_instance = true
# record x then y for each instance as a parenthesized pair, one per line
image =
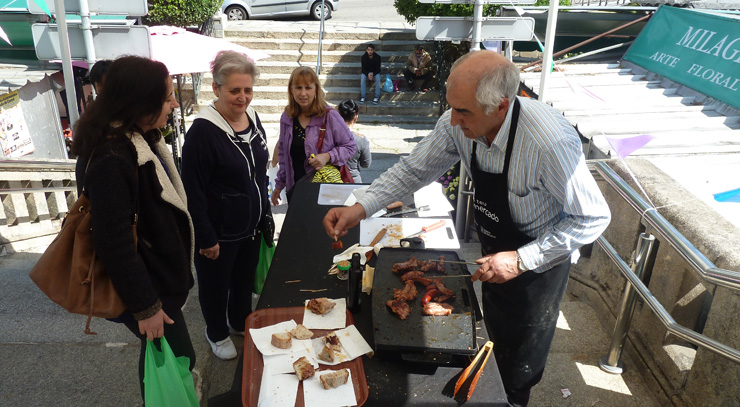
(319, 161)
(153, 327)
(211, 252)
(276, 196)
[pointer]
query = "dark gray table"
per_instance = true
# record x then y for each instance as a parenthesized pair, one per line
(304, 253)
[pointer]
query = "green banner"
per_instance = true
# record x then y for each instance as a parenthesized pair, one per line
(700, 50)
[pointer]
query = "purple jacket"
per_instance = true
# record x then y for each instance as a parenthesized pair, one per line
(338, 142)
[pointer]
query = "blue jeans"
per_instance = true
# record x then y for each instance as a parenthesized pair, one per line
(363, 86)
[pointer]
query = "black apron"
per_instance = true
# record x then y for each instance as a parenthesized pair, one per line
(520, 314)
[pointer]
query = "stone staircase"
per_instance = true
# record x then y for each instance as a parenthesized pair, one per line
(340, 71)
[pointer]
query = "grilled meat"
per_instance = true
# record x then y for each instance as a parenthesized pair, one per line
(417, 277)
(400, 268)
(399, 307)
(437, 309)
(408, 293)
(442, 289)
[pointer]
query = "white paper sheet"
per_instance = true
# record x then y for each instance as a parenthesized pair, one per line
(284, 363)
(334, 319)
(434, 198)
(314, 394)
(335, 194)
(262, 338)
(400, 228)
(278, 390)
(347, 254)
(353, 343)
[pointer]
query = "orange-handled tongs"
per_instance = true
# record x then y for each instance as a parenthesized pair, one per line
(487, 349)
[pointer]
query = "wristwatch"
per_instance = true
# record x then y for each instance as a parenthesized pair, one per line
(520, 263)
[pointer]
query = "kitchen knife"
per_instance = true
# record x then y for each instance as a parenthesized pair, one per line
(375, 241)
(429, 228)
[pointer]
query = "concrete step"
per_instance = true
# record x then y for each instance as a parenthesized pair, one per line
(281, 79)
(310, 30)
(384, 107)
(335, 93)
(327, 44)
(328, 68)
(270, 121)
(303, 55)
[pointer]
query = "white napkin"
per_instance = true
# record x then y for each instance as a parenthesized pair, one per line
(336, 318)
(278, 390)
(262, 338)
(284, 363)
(314, 394)
(353, 343)
(347, 254)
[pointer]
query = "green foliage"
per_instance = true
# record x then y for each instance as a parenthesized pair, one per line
(412, 9)
(181, 13)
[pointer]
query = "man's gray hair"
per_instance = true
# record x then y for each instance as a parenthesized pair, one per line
(231, 62)
(501, 82)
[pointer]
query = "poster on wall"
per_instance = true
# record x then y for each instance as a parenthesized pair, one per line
(15, 139)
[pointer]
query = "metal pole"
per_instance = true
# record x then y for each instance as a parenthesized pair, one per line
(552, 21)
(321, 33)
(477, 24)
(69, 80)
(604, 34)
(87, 33)
(644, 260)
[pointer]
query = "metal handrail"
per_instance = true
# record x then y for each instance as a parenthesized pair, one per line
(698, 262)
(666, 318)
(21, 165)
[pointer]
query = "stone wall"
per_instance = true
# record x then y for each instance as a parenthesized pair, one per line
(681, 373)
(31, 219)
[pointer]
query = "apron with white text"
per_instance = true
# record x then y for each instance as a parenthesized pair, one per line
(520, 314)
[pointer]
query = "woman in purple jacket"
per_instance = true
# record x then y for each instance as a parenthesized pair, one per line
(300, 124)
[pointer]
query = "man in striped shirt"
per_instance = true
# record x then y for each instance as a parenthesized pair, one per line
(535, 203)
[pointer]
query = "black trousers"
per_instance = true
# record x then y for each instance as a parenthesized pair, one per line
(411, 78)
(176, 334)
(225, 285)
(521, 316)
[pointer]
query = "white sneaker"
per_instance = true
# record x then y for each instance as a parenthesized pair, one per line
(222, 349)
(234, 331)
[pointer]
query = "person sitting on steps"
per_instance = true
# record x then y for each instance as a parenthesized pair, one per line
(418, 67)
(370, 71)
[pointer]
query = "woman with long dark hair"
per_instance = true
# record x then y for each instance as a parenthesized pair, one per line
(129, 175)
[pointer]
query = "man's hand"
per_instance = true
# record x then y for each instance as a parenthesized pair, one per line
(319, 161)
(370, 76)
(497, 268)
(418, 72)
(153, 327)
(338, 220)
(211, 252)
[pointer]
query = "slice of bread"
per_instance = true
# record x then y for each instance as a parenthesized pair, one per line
(303, 368)
(282, 340)
(334, 379)
(301, 332)
(327, 353)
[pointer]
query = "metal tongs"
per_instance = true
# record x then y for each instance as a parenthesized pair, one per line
(487, 349)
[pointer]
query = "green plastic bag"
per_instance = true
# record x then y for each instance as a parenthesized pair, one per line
(167, 379)
(263, 266)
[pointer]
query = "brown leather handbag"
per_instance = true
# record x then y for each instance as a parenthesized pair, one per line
(71, 275)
